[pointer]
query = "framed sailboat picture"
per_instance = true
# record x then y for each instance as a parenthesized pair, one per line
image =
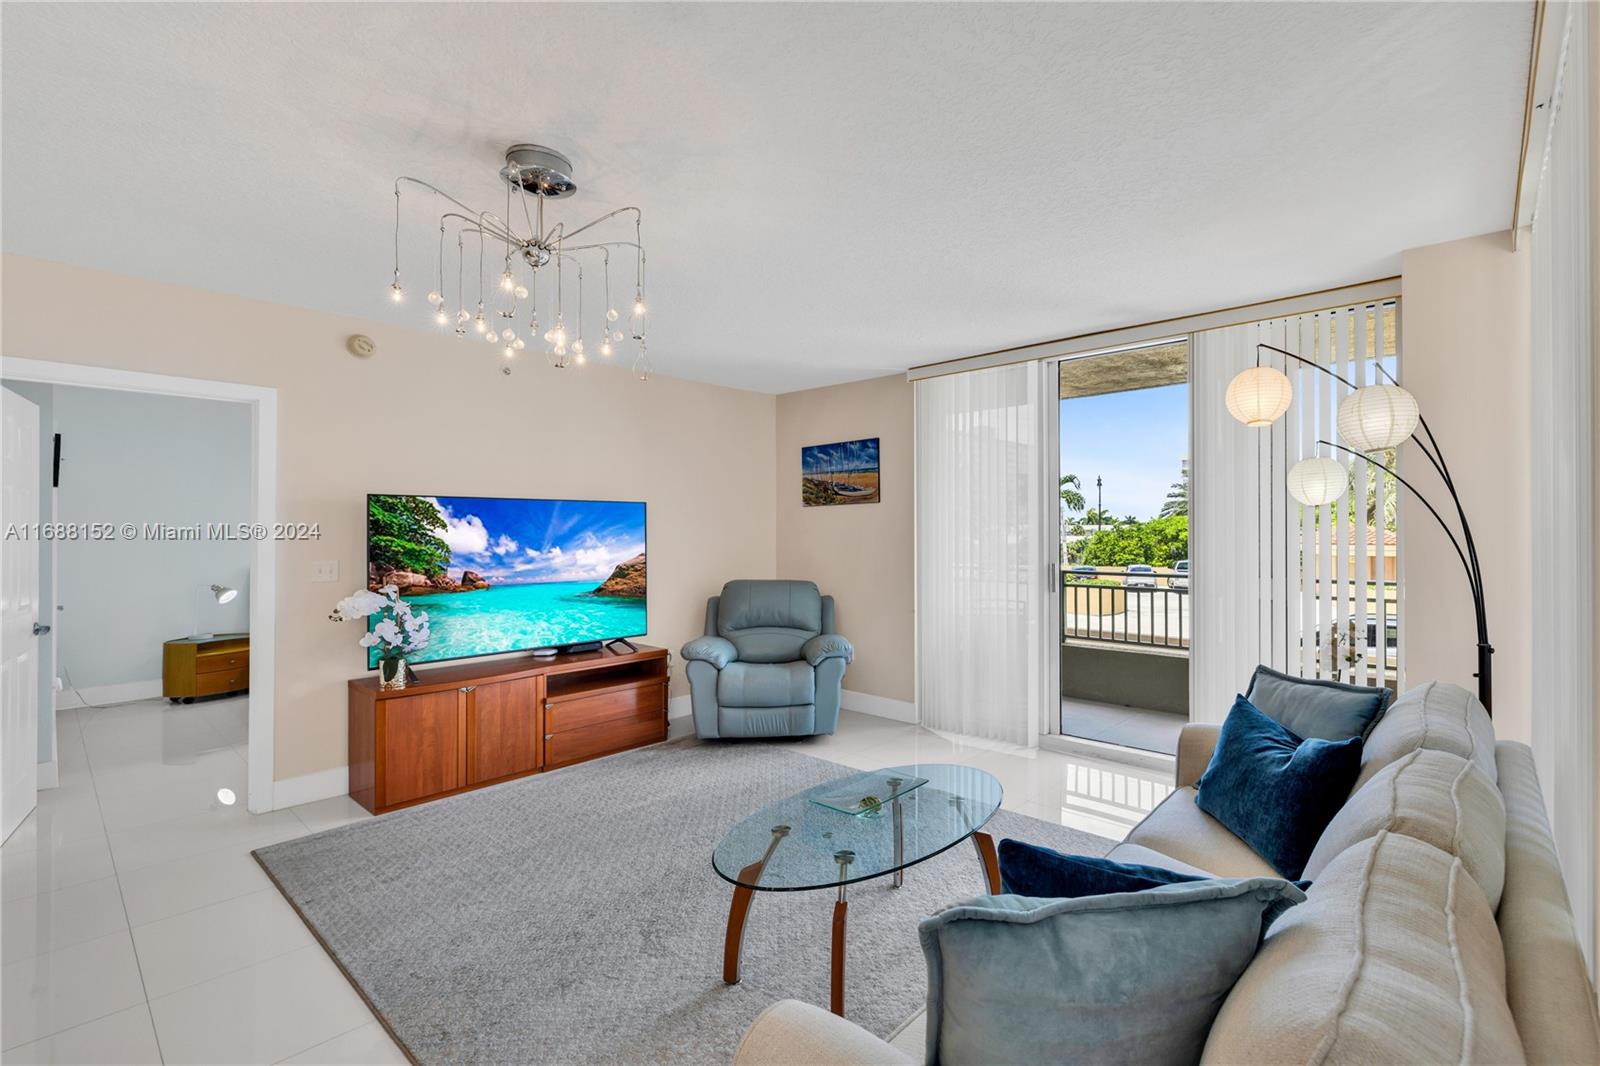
(844, 472)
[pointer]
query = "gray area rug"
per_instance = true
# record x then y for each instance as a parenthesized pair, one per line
(575, 917)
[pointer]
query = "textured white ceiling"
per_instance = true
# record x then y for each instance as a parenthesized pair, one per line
(830, 192)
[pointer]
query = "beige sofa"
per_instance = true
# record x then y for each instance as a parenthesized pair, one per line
(1437, 927)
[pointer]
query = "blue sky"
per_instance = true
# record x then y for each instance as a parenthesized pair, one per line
(520, 541)
(1135, 441)
(841, 456)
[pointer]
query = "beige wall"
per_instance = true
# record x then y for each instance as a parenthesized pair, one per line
(861, 554)
(427, 414)
(1466, 323)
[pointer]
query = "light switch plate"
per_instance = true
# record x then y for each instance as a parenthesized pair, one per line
(325, 570)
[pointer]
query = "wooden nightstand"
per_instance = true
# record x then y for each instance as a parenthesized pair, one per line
(205, 666)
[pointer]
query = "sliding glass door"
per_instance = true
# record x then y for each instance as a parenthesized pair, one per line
(1121, 423)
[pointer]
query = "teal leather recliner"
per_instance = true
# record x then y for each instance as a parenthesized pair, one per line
(770, 664)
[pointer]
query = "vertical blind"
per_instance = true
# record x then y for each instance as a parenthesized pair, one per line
(1561, 485)
(1306, 590)
(982, 559)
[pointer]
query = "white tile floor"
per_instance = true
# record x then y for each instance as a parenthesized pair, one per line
(135, 927)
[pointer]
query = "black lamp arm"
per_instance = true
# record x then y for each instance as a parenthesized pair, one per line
(1435, 458)
(1431, 510)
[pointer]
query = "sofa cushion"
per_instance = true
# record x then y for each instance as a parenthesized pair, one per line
(1314, 708)
(1179, 828)
(1436, 797)
(1029, 870)
(744, 684)
(1135, 977)
(1394, 957)
(1275, 791)
(1435, 716)
(1547, 979)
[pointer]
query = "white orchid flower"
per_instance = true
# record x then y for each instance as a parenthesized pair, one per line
(368, 640)
(388, 632)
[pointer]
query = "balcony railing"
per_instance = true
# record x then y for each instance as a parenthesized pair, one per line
(1126, 607)
(1141, 608)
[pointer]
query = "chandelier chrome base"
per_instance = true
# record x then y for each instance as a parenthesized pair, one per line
(539, 170)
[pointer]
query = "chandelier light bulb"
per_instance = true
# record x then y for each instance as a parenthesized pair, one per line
(396, 292)
(619, 336)
(577, 348)
(508, 351)
(519, 344)
(491, 336)
(441, 316)
(1259, 396)
(479, 324)
(605, 347)
(561, 349)
(578, 357)
(611, 314)
(508, 334)
(508, 281)
(638, 307)
(434, 297)
(522, 292)
(462, 316)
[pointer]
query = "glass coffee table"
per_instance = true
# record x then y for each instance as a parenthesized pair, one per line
(832, 835)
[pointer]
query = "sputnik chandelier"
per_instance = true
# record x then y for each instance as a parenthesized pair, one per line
(533, 174)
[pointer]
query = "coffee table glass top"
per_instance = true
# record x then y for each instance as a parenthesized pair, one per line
(800, 843)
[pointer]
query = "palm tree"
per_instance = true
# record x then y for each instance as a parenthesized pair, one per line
(1177, 499)
(1071, 498)
(1092, 517)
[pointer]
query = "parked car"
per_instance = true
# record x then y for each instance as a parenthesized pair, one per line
(1140, 576)
(1180, 580)
(1081, 573)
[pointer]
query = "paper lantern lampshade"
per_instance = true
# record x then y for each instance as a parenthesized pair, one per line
(1377, 417)
(1318, 481)
(1259, 396)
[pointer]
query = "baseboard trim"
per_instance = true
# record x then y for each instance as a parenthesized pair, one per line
(308, 788)
(880, 706)
(101, 695)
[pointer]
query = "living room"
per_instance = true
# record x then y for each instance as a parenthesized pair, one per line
(754, 516)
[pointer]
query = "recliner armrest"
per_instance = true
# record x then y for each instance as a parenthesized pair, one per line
(1195, 744)
(718, 651)
(827, 646)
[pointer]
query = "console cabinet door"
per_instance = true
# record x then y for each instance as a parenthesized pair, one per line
(422, 746)
(504, 736)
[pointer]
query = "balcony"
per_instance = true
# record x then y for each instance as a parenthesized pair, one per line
(1125, 637)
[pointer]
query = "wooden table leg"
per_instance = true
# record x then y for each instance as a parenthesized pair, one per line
(739, 909)
(733, 945)
(991, 861)
(836, 1000)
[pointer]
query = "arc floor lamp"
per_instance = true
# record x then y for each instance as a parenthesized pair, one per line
(1372, 418)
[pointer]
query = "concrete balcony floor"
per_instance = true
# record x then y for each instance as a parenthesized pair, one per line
(1128, 727)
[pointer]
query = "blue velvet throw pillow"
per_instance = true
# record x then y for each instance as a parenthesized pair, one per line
(1275, 791)
(1029, 870)
(1135, 977)
(1314, 708)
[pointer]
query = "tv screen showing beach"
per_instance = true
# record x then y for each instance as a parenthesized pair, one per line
(498, 575)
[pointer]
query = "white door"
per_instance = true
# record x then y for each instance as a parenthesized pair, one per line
(19, 611)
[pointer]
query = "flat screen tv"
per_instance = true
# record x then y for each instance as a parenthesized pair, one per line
(499, 575)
